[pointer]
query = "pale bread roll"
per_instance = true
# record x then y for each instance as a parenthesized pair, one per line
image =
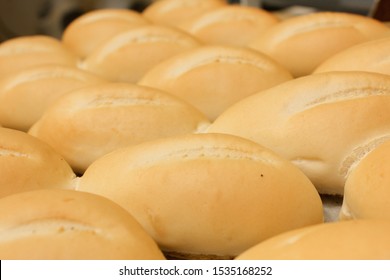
(26, 163)
(70, 225)
(206, 195)
(21, 52)
(367, 189)
(232, 25)
(352, 240)
(87, 123)
(26, 94)
(127, 56)
(212, 78)
(322, 123)
(90, 30)
(176, 13)
(372, 56)
(303, 42)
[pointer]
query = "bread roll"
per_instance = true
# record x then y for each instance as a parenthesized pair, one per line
(27, 163)
(232, 25)
(352, 240)
(212, 78)
(206, 195)
(87, 123)
(65, 224)
(322, 123)
(302, 43)
(25, 94)
(372, 56)
(127, 56)
(25, 51)
(176, 13)
(367, 190)
(94, 28)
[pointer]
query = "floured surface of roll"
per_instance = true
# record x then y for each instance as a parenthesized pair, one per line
(128, 56)
(352, 240)
(176, 13)
(22, 52)
(367, 189)
(372, 56)
(90, 122)
(70, 225)
(323, 123)
(302, 43)
(206, 195)
(94, 28)
(233, 25)
(212, 78)
(27, 163)
(26, 94)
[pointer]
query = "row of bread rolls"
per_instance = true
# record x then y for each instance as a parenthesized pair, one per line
(208, 195)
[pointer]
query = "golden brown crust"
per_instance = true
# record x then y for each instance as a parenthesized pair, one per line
(237, 73)
(26, 94)
(325, 32)
(25, 51)
(65, 224)
(348, 240)
(367, 190)
(87, 32)
(216, 194)
(27, 163)
(322, 123)
(87, 123)
(127, 56)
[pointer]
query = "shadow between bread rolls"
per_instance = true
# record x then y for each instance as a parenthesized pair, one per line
(323, 123)
(206, 196)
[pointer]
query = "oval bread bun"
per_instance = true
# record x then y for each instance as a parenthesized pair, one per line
(212, 78)
(27, 163)
(90, 122)
(90, 30)
(206, 195)
(367, 189)
(303, 42)
(25, 94)
(232, 25)
(176, 13)
(349, 240)
(372, 56)
(323, 123)
(127, 56)
(65, 224)
(25, 51)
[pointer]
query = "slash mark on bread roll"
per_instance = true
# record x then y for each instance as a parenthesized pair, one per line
(45, 227)
(177, 71)
(11, 153)
(213, 152)
(105, 101)
(358, 154)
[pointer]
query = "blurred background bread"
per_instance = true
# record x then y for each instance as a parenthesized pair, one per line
(302, 43)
